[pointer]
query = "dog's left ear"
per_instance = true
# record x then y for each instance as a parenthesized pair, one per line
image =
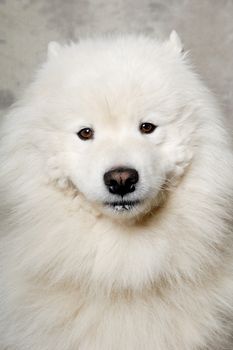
(53, 49)
(176, 43)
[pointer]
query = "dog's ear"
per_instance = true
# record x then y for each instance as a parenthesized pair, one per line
(176, 43)
(53, 49)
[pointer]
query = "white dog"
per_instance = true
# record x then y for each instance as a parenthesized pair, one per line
(116, 204)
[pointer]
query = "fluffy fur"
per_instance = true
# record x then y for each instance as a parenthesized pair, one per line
(79, 275)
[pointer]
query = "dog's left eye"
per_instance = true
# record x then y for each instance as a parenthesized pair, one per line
(147, 128)
(86, 134)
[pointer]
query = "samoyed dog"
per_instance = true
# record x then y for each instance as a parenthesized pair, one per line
(116, 204)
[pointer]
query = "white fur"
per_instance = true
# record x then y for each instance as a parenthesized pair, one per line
(76, 275)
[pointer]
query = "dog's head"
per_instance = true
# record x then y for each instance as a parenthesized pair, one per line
(117, 120)
(124, 126)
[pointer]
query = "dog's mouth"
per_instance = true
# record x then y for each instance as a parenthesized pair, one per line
(122, 205)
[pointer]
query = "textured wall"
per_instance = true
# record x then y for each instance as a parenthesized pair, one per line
(26, 26)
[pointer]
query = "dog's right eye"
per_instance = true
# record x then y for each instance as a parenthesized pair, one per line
(147, 128)
(86, 134)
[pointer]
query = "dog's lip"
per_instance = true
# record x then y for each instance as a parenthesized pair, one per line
(125, 204)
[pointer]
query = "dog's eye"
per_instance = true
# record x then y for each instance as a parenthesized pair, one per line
(147, 128)
(86, 134)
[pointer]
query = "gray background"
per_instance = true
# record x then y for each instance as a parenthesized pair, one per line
(26, 26)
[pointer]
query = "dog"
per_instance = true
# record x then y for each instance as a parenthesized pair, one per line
(116, 204)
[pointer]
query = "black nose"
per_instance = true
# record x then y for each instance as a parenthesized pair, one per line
(121, 180)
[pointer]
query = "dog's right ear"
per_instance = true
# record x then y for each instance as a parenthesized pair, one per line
(176, 43)
(53, 49)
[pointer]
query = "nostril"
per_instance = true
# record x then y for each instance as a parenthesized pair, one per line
(131, 188)
(113, 185)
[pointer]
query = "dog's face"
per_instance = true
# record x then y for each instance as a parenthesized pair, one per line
(118, 124)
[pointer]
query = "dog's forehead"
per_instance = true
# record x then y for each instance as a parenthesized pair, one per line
(111, 100)
(112, 105)
(120, 87)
